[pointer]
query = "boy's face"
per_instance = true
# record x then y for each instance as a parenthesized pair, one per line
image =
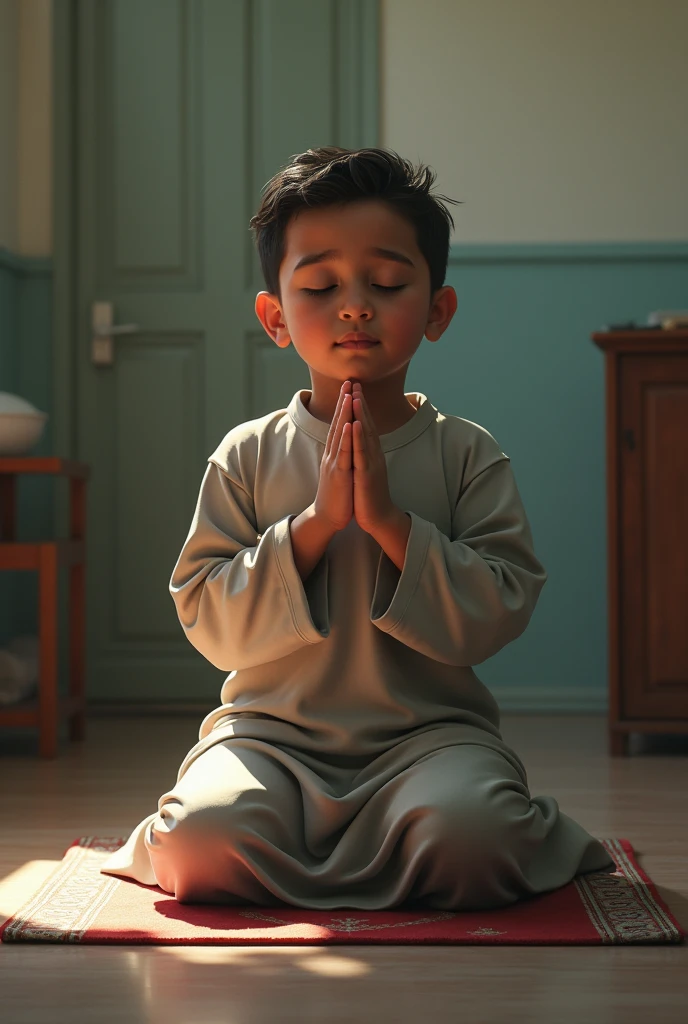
(351, 292)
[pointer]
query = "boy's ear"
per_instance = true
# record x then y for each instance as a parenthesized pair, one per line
(442, 309)
(269, 312)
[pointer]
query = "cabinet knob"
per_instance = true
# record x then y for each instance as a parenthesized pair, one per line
(629, 438)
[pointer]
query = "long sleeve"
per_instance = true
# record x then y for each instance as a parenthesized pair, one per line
(238, 595)
(459, 600)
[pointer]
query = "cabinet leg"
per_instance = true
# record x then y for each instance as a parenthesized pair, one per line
(618, 743)
(47, 672)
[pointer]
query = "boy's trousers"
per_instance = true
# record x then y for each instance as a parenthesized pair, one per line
(453, 829)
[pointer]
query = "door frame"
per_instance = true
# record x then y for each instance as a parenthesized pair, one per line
(64, 320)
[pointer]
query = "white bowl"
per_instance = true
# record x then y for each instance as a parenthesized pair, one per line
(21, 424)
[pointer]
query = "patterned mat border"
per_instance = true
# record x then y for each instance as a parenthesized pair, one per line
(622, 906)
(633, 913)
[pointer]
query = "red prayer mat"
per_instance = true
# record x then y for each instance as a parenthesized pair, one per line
(79, 904)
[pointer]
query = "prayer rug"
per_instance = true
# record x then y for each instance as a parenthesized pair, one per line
(78, 904)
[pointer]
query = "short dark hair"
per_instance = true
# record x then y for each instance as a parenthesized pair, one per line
(332, 176)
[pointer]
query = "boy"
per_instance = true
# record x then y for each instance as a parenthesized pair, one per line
(350, 559)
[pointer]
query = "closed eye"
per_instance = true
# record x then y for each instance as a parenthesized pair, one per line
(323, 291)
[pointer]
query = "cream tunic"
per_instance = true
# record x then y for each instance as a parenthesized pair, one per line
(356, 758)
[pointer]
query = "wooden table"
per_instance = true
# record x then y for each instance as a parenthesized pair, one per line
(46, 556)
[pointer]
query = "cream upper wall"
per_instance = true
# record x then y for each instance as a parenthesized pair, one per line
(26, 126)
(552, 121)
(8, 123)
(34, 128)
(544, 117)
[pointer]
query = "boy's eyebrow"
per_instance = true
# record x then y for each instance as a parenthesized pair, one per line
(326, 254)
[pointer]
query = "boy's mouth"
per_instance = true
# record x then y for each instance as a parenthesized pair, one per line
(358, 336)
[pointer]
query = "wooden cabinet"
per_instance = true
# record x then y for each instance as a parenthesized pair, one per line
(647, 531)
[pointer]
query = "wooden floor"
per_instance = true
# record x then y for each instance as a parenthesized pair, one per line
(107, 784)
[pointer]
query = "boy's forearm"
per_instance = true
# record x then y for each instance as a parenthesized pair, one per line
(309, 540)
(393, 537)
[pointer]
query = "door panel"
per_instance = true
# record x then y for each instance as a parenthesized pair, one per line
(151, 177)
(185, 108)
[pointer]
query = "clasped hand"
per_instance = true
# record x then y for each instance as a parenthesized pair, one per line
(373, 505)
(353, 472)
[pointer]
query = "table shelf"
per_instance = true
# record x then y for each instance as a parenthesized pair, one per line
(28, 712)
(28, 554)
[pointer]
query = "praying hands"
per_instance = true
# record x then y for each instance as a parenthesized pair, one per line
(374, 510)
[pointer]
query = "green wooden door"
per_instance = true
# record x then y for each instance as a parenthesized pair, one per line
(184, 109)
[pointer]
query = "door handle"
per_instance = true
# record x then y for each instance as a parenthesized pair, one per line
(103, 331)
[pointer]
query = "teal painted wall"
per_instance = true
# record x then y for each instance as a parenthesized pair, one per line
(517, 359)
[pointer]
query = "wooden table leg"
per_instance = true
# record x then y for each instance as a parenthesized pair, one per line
(8, 507)
(47, 670)
(77, 639)
(77, 612)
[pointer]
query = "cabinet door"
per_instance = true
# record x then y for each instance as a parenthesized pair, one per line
(653, 569)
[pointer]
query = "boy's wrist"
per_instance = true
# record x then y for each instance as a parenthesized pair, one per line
(309, 539)
(325, 528)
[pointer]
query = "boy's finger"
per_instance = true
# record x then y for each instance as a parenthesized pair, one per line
(360, 411)
(365, 417)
